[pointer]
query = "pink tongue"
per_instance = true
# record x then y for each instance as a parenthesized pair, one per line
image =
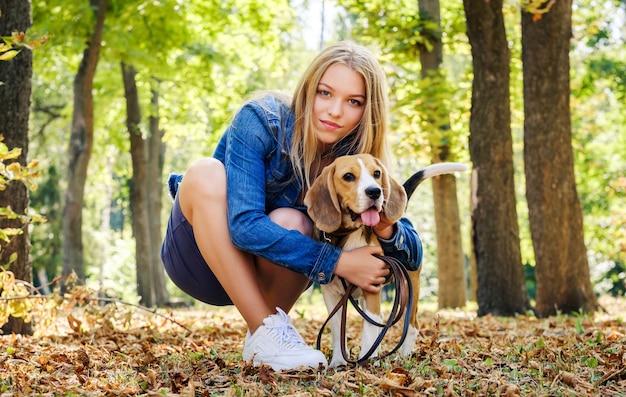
(370, 217)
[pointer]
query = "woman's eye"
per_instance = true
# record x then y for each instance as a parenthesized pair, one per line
(355, 102)
(349, 177)
(323, 92)
(377, 174)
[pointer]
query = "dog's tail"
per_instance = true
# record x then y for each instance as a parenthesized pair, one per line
(432, 170)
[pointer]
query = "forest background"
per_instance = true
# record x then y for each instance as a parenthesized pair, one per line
(177, 71)
(114, 95)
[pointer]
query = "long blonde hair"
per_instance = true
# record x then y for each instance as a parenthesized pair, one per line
(369, 136)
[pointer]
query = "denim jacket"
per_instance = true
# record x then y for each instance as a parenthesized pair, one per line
(259, 178)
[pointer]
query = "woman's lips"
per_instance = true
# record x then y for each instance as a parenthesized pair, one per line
(329, 125)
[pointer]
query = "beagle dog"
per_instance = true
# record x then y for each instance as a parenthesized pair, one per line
(344, 202)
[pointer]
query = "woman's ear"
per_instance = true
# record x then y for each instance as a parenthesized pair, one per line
(322, 203)
(395, 196)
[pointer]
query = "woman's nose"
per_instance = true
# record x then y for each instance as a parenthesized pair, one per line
(335, 108)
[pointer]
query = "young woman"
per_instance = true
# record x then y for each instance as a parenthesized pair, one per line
(239, 233)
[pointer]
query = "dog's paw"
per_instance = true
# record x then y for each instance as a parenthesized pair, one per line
(338, 363)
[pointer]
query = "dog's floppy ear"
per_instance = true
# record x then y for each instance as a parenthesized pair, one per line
(395, 196)
(322, 202)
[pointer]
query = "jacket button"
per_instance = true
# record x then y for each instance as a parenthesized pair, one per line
(321, 276)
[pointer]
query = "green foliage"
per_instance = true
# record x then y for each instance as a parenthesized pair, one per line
(10, 171)
(46, 243)
(598, 117)
(205, 57)
(427, 113)
(202, 57)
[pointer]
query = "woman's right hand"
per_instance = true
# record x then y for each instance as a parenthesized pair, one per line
(361, 268)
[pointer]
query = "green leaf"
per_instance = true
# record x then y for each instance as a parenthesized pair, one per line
(8, 55)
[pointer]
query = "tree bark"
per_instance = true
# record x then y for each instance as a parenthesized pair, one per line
(15, 91)
(496, 244)
(138, 190)
(81, 144)
(155, 205)
(450, 258)
(450, 261)
(555, 214)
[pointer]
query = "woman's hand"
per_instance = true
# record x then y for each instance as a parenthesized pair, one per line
(384, 228)
(362, 269)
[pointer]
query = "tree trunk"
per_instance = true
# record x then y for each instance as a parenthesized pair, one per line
(450, 262)
(496, 245)
(450, 259)
(138, 189)
(154, 185)
(79, 153)
(15, 90)
(555, 214)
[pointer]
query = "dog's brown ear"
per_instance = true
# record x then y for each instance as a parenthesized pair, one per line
(322, 203)
(395, 196)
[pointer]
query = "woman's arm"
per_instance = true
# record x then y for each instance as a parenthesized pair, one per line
(249, 141)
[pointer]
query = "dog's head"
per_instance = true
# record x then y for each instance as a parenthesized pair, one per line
(353, 191)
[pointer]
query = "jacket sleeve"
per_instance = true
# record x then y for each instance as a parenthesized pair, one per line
(405, 245)
(249, 140)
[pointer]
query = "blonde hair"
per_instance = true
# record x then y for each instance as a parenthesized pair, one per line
(369, 136)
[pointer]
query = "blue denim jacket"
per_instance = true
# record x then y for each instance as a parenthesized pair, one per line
(255, 152)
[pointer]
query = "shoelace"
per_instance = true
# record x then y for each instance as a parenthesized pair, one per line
(287, 334)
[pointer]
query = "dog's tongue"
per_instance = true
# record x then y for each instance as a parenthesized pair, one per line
(370, 217)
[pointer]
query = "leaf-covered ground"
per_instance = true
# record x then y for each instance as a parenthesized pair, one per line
(116, 350)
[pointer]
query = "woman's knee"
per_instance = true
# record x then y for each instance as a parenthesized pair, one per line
(205, 177)
(204, 183)
(292, 219)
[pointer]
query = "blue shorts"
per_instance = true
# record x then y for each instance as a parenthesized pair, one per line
(185, 265)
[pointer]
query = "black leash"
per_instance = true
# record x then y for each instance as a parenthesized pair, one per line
(402, 304)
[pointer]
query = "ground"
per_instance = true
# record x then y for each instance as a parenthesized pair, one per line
(120, 350)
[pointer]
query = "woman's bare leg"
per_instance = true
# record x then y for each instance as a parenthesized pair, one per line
(273, 278)
(255, 287)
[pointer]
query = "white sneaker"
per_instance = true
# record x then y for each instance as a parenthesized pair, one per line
(278, 344)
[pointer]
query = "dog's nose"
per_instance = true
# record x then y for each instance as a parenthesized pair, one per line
(373, 192)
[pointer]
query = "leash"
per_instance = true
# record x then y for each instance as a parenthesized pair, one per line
(402, 304)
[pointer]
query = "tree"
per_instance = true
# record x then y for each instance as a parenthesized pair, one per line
(495, 231)
(80, 146)
(147, 158)
(15, 90)
(562, 270)
(450, 259)
(410, 37)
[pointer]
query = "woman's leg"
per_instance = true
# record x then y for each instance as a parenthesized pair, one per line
(256, 287)
(280, 286)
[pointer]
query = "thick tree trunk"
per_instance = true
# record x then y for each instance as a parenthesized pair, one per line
(81, 144)
(15, 90)
(138, 191)
(496, 245)
(555, 214)
(450, 262)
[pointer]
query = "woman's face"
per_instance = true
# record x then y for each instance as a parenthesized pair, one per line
(339, 104)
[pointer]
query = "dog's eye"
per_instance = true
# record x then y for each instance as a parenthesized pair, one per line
(377, 174)
(349, 177)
